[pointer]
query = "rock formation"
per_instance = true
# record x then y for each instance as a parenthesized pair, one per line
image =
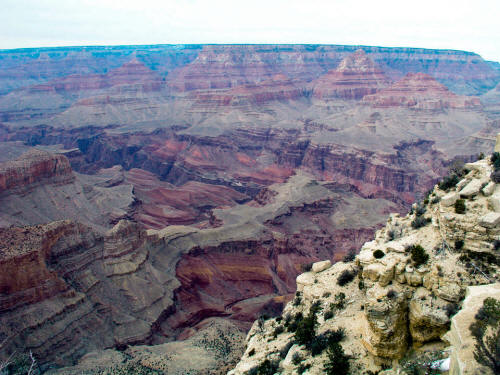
(420, 91)
(408, 283)
(356, 76)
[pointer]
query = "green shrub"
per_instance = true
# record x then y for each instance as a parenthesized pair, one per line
(321, 342)
(378, 254)
(459, 244)
(345, 277)
(435, 200)
(418, 255)
(448, 182)
(487, 321)
(278, 330)
(306, 329)
(420, 222)
(297, 301)
(296, 359)
(339, 303)
(421, 363)
(265, 368)
(420, 210)
(495, 160)
(292, 326)
(460, 206)
(315, 307)
(338, 362)
(251, 352)
(303, 368)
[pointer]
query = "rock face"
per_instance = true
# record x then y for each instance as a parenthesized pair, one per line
(32, 169)
(420, 91)
(462, 343)
(409, 283)
(356, 76)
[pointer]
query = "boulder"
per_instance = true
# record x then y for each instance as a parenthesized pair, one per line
(386, 332)
(449, 199)
(428, 318)
(490, 220)
(321, 266)
(462, 343)
(472, 188)
(489, 189)
(494, 202)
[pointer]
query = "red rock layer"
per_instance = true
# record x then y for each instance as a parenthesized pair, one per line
(163, 204)
(420, 91)
(33, 168)
(132, 72)
(356, 76)
(279, 87)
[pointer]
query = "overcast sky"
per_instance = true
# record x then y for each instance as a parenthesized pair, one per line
(471, 25)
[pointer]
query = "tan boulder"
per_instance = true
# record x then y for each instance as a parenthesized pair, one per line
(428, 318)
(462, 360)
(386, 333)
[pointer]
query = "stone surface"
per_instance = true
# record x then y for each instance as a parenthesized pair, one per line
(321, 266)
(489, 189)
(472, 188)
(420, 91)
(462, 343)
(490, 220)
(449, 199)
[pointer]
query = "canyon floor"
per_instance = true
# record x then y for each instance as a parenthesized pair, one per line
(152, 197)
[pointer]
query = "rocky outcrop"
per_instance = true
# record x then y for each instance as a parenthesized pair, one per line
(356, 76)
(462, 343)
(33, 169)
(420, 91)
(411, 279)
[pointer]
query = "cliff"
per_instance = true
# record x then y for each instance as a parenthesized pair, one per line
(356, 76)
(420, 91)
(400, 293)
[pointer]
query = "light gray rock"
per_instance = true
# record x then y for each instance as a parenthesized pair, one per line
(494, 202)
(461, 183)
(449, 199)
(321, 266)
(489, 189)
(472, 188)
(490, 220)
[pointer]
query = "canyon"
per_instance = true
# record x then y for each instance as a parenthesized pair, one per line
(153, 195)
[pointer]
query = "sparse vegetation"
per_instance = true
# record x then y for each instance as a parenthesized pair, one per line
(303, 367)
(345, 277)
(418, 255)
(391, 294)
(460, 206)
(306, 267)
(448, 182)
(420, 222)
(339, 303)
(486, 331)
(296, 359)
(349, 257)
(278, 330)
(338, 361)
(321, 342)
(459, 244)
(378, 254)
(267, 367)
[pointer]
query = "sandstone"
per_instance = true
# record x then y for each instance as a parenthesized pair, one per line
(490, 220)
(494, 201)
(449, 199)
(428, 319)
(461, 358)
(420, 91)
(489, 189)
(472, 188)
(356, 76)
(321, 266)
(461, 184)
(304, 279)
(449, 291)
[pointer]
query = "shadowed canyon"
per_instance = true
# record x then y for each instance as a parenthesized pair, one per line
(156, 198)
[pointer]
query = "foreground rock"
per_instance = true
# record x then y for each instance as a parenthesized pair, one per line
(400, 292)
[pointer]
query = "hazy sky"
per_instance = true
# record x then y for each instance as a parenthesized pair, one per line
(472, 25)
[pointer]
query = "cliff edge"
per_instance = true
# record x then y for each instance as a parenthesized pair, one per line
(408, 297)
